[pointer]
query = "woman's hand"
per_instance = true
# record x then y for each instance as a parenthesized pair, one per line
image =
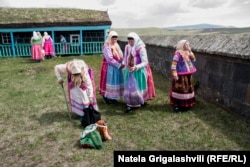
(132, 69)
(122, 66)
(91, 100)
(176, 77)
(60, 81)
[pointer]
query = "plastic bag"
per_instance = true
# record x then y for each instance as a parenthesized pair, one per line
(132, 95)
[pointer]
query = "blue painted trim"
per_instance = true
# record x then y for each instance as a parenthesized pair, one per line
(105, 34)
(12, 44)
(52, 34)
(81, 43)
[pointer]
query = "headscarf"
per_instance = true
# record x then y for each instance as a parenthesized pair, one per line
(76, 67)
(137, 44)
(39, 34)
(111, 33)
(46, 35)
(180, 45)
(35, 36)
(116, 48)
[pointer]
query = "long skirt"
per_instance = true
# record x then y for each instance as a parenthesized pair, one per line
(111, 82)
(114, 83)
(103, 78)
(78, 96)
(182, 91)
(36, 51)
(141, 80)
(150, 82)
(48, 48)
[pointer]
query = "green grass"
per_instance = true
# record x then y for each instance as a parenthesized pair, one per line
(43, 15)
(36, 130)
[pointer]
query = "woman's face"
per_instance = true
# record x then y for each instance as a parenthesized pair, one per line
(186, 46)
(131, 41)
(114, 39)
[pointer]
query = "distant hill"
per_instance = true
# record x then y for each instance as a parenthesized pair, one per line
(198, 26)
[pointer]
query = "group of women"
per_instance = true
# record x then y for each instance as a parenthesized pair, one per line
(41, 47)
(127, 76)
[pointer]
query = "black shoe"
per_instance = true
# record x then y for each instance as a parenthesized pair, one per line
(176, 108)
(185, 109)
(106, 100)
(128, 109)
(112, 101)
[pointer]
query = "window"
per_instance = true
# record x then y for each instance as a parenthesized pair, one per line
(93, 36)
(6, 38)
(75, 39)
(22, 37)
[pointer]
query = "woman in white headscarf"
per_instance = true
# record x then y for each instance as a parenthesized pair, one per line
(136, 64)
(36, 49)
(81, 85)
(48, 46)
(111, 78)
(182, 89)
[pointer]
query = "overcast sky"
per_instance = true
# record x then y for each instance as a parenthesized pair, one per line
(155, 13)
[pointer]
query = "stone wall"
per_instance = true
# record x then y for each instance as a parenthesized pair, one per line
(223, 64)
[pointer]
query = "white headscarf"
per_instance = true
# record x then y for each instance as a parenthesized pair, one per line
(76, 66)
(46, 35)
(138, 43)
(111, 33)
(180, 45)
(35, 36)
(116, 48)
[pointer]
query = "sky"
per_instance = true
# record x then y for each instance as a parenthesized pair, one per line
(155, 13)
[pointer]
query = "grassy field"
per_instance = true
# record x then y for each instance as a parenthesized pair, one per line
(36, 130)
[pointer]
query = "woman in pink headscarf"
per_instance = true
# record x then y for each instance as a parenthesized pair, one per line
(111, 79)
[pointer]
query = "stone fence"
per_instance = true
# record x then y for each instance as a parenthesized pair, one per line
(222, 62)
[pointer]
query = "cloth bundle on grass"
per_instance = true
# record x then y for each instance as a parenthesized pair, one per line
(91, 138)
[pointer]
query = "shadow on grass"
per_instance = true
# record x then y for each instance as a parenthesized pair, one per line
(119, 108)
(52, 117)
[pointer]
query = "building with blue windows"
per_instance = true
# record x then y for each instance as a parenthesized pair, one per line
(84, 30)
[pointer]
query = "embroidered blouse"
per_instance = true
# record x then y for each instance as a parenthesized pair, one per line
(181, 65)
